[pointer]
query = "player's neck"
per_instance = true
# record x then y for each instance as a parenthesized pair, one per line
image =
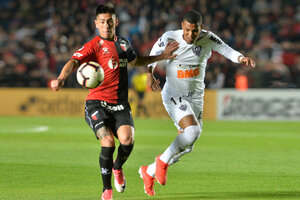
(113, 38)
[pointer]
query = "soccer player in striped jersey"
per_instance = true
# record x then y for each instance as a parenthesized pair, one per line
(184, 89)
(107, 110)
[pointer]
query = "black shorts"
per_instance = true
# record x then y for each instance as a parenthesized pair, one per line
(100, 113)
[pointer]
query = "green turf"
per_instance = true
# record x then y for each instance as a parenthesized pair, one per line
(231, 160)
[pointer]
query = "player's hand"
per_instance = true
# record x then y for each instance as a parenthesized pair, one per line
(169, 50)
(56, 84)
(152, 82)
(247, 61)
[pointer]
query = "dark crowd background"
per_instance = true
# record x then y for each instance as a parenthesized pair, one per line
(37, 37)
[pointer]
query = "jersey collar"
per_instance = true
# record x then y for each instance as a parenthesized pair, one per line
(108, 39)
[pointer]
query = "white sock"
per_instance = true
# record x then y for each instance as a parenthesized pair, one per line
(182, 145)
(176, 158)
(151, 169)
(181, 142)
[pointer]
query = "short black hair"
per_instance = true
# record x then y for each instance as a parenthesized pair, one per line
(105, 8)
(193, 17)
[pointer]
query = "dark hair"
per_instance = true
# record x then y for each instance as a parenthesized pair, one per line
(105, 8)
(193, 17)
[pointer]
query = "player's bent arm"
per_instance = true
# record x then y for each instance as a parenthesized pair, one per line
(140, 61)
(157, 49)
(67, 70)
(152, 82)
(166, 54)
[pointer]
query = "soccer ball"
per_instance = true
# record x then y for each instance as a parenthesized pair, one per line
(90, 75)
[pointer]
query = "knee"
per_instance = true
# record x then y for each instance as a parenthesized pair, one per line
(106, 139)
(126, 134)
(126, 138)
(193, 133)
(189, 149)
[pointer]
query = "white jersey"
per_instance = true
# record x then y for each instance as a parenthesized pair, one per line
(185, 74)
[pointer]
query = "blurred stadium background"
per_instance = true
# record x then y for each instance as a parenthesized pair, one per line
(37, 37)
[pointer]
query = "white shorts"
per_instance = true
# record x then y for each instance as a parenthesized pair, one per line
(179, 107)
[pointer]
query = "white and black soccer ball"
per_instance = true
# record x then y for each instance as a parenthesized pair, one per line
(90, 75)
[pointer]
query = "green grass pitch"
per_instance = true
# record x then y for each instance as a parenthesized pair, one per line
(57, 159)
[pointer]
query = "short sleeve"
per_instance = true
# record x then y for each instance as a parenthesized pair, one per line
(125, 45)
(131, 55)
(85, 53)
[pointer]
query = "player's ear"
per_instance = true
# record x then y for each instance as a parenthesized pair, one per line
(96, 24)
(202, 26)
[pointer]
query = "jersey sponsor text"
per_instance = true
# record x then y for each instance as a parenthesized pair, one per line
(188, 71)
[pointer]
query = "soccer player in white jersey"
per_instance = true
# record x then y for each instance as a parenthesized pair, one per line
(184, 89)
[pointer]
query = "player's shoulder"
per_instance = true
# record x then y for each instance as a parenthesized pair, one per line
(172, 35)
(209, 35)
(124, 43)
(89, 45)
(166, 37)
(123, 40)
(93, 42)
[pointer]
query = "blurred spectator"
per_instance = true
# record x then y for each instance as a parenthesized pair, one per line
(139, 82)
(217, 79)
(241, 80)
(36, 37)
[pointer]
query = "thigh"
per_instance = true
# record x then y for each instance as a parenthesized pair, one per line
(97, 117)
(188, 120)
(197, 106)
(122, 117)
(124, 125)
(179, 108)
(105, 136)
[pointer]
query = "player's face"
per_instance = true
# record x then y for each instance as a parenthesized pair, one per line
(190, 31)
(106, 24)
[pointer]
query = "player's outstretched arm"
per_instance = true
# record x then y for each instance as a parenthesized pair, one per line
(166, 54)
(247, 61)
(152, 82)
(69, 67)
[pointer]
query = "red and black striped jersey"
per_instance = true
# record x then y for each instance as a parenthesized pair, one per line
(113, 57)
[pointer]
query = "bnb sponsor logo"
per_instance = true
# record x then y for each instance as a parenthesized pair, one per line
(190, 71)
